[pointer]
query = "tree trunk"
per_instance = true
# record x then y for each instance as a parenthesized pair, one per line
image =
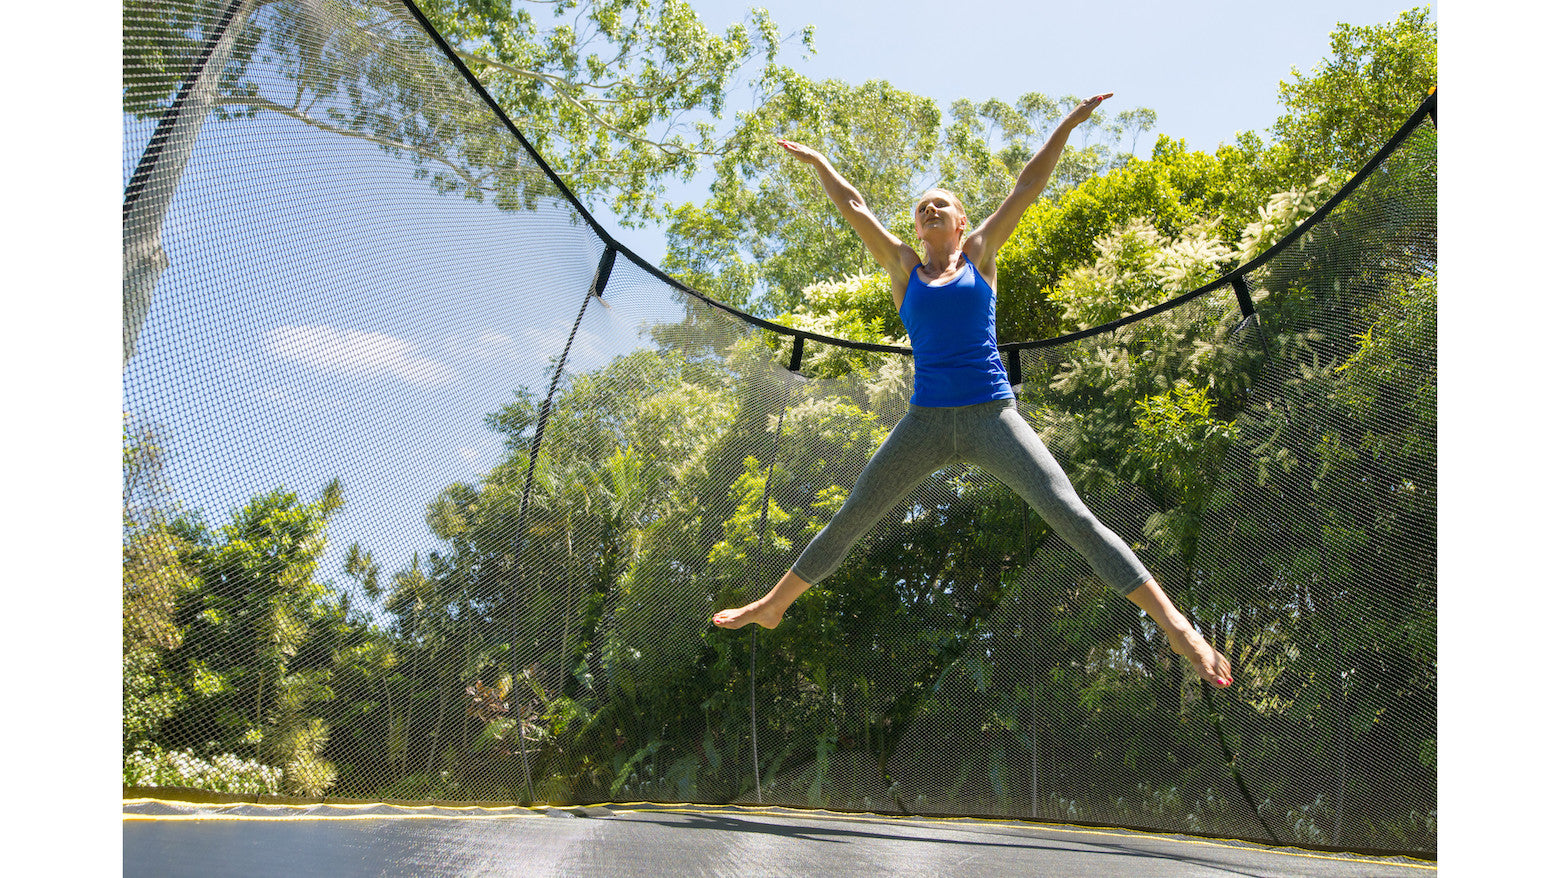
(157, 176)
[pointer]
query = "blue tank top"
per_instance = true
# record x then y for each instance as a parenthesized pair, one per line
(953, 339)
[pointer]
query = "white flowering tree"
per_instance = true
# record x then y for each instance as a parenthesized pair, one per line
(244, 697)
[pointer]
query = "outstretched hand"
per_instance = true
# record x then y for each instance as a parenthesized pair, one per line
(802, 153)
(1083, 111)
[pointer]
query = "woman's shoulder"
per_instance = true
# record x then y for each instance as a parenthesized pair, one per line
(904, 266)
(984, 263)
(901, 272)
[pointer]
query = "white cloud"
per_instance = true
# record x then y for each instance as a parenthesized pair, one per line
(489, 345)
(357, 353)
(482, 453)
(539, 343)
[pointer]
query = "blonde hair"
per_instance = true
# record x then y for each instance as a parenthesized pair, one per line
(957, 202)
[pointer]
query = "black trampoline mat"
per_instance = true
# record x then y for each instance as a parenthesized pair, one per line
(660, 841)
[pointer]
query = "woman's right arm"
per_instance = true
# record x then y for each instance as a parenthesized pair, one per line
(897, 258)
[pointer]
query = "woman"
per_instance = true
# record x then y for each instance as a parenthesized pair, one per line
(962, 408)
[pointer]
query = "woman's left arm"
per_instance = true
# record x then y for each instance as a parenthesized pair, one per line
(982, 244)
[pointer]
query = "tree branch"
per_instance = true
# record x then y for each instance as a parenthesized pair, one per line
(292, 113)
(583, 107)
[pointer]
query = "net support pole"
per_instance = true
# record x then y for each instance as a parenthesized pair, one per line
(758, 563)
(597, 286)
(758, 556)
(157, 174)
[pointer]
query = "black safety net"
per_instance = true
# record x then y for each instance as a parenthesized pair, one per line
(431, 490)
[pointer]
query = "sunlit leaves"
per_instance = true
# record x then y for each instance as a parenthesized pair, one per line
(618, 95)
(1348, 106)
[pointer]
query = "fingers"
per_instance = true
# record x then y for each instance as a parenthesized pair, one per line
(797, 150)
(1087, 108)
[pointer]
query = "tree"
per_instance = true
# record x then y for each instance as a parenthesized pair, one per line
(155, 581)
(986, 146)
(617, 95)
(770, 212)
(768, 231)
(1340, 114)
(245, 627)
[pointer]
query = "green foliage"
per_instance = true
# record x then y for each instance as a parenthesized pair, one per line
(294, 739)
(778, 227)
(768, 231)
(1178, 451)
(1281, 214)
(1178, 426)
(1386, 371)
(151, 696)
(154, 581)
(743, 539)
(857, 308)
(1194, 199)
(618, 95)
(1349, 105)
(154, 577)
(987, 144)
(516, 420)
(238, 665)
(863, 299)
(1137, 268)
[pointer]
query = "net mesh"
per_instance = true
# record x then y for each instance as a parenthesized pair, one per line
(431, 492)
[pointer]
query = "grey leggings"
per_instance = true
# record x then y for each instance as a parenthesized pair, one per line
(995, 437)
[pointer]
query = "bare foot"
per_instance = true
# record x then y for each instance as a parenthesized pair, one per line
(1184, 639)
(1209, 663)
(761, 612)
(767, 610)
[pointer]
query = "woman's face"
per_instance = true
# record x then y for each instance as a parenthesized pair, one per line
(939, 209)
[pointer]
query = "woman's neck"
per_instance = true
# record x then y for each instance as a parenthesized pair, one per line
(941, 257)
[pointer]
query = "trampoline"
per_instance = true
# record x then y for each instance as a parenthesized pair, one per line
(541, 479)
(664, 840)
